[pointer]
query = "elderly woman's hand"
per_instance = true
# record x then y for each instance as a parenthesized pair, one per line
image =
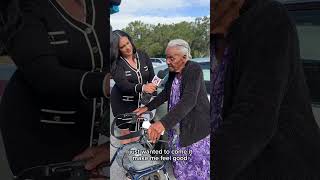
(149, 88)
(155, 131)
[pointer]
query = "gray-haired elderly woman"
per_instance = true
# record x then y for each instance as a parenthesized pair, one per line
(187, 122)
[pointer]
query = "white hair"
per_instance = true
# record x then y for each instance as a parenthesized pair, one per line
(182, 45)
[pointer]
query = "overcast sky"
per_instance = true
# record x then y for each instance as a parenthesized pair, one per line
(159, 11)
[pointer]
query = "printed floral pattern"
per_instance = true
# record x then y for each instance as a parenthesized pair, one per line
(197, 165)
(217, 94)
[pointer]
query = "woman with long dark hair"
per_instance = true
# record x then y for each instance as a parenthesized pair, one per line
(51, 108)
(132, 72)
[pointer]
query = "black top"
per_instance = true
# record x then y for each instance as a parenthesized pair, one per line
(53, 99)
(193, 109)
(268, 129)
(127, 91)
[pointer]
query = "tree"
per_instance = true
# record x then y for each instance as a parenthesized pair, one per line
(154, 38)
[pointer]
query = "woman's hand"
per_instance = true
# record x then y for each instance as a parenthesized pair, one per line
(141, 110)
(149, 88)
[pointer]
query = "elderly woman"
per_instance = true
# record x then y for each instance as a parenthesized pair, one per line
(187, 122)
(263, 126)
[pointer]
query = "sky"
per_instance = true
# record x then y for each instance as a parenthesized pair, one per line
(159, 11)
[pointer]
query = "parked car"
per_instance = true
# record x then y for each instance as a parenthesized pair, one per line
(306, 14)
(158, 61)
(163, 67)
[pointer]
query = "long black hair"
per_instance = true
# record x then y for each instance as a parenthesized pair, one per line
(114, 50)
(116, 39)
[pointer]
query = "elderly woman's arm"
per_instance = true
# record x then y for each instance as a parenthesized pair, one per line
(194, 78)
(252, 120)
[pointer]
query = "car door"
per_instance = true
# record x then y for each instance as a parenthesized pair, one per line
(205, 66)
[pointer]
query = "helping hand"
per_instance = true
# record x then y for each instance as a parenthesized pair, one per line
(155, 131)
(141, 110)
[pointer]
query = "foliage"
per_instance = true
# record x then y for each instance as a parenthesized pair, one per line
(153, 39)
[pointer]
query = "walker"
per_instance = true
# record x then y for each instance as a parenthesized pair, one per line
(132, 156)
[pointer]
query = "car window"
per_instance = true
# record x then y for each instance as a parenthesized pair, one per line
(308, 28)
(156, 60)
(205, 66)
(166, 71)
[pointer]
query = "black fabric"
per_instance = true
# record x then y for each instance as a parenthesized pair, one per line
(130, 118)
(9, 19)
(93, 84)
(52, 57)
(193, 109)
(268, 129)
(127, 84)
(115, 2)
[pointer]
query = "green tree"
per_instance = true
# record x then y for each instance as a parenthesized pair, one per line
(153, 39)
